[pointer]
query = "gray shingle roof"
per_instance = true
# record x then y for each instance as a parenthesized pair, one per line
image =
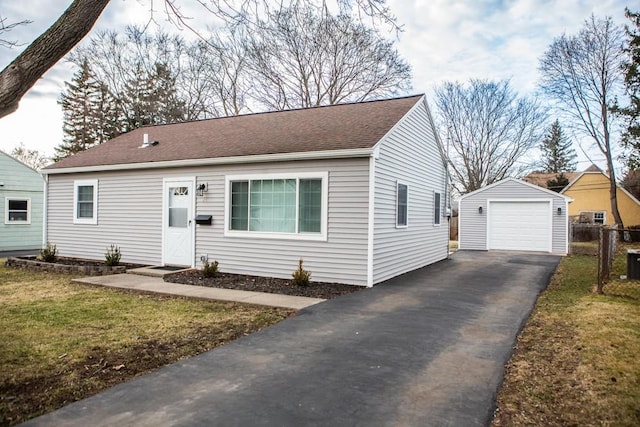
(336, 127)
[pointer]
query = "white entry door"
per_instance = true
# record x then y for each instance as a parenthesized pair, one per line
(178, 222)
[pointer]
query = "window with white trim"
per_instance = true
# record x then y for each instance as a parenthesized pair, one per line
(85, 201)
(17, 210)
(277, 205)
(436, 208)
(592, 217)
(402, 205)
(599, 217)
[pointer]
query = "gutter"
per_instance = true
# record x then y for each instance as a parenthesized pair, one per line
(259, 158)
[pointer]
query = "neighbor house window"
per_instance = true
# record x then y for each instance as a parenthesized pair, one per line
(592, 217)
(85, 202)
(436, 208)
(402, 205)
(279, 205)
(17, 210)
(598, 217)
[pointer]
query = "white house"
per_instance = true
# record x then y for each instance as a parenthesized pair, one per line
(514, 215)
(356, 190)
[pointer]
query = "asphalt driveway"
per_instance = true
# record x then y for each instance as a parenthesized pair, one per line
(424, 349)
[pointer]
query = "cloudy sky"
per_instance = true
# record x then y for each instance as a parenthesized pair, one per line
(442, 40)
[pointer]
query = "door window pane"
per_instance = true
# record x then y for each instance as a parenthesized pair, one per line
(178, 206)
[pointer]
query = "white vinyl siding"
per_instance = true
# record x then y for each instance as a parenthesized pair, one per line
(339, 256)
(473, 227)
(409, 154)
(137, 196)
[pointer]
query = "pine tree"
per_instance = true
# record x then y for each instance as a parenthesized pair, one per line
(631, 135)
(89, 113)
(151, 98)
(558, 154)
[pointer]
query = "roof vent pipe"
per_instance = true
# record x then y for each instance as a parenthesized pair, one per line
(145, 140)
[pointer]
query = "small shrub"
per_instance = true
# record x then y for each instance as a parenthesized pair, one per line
(49, 253)
(210, 269)
(112, 256)
(301, 277)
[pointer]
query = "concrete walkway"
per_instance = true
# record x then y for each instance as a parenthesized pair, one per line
(424, 349)
(159, 286)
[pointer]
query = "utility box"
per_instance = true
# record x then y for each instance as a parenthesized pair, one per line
(633, 264)
(204, 219)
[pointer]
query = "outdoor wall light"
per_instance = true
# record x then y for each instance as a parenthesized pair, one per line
(480, 210)
(202, 188)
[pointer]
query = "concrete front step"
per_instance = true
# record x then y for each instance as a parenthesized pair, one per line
(153, 271)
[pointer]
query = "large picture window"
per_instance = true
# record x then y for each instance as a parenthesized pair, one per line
(278, 205)
(85, 202)
(17, 210)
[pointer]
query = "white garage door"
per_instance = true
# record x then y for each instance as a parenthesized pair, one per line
(521, 226)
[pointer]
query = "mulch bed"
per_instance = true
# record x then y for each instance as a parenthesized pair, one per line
(84, 262)
(262, 284)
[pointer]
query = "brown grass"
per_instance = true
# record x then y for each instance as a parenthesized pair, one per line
(576, 361)
(61, 342)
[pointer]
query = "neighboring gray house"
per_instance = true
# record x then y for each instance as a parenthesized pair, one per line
(514, 215)
(21, 205)
(356, 190)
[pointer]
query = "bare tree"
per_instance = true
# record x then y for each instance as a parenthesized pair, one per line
(76, 22)
(32, 158)
(583, 73)
(24, 71)
(6, 27)
(302, 56)
(208, 74)
(488, 129)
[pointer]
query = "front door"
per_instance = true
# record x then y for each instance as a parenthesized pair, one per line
(178, 222)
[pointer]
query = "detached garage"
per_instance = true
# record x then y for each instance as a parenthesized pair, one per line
(514, 215)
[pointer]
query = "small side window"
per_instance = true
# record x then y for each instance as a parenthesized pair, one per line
(85, 202)
(436, 208)
(17, 211)
(402, 205)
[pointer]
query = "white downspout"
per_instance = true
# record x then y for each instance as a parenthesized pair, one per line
(371, 219)
(45, 210)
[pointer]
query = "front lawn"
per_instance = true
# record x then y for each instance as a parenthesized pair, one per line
(61, 342)
(577, 359)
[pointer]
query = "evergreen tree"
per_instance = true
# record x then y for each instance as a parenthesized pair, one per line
(151, 98)
(89, 113)
(631, 136)
(558, 183)
(558, 154)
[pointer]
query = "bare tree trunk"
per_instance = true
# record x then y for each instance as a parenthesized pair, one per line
(19, 76)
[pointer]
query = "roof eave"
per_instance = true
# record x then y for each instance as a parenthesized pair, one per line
(259, 158)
